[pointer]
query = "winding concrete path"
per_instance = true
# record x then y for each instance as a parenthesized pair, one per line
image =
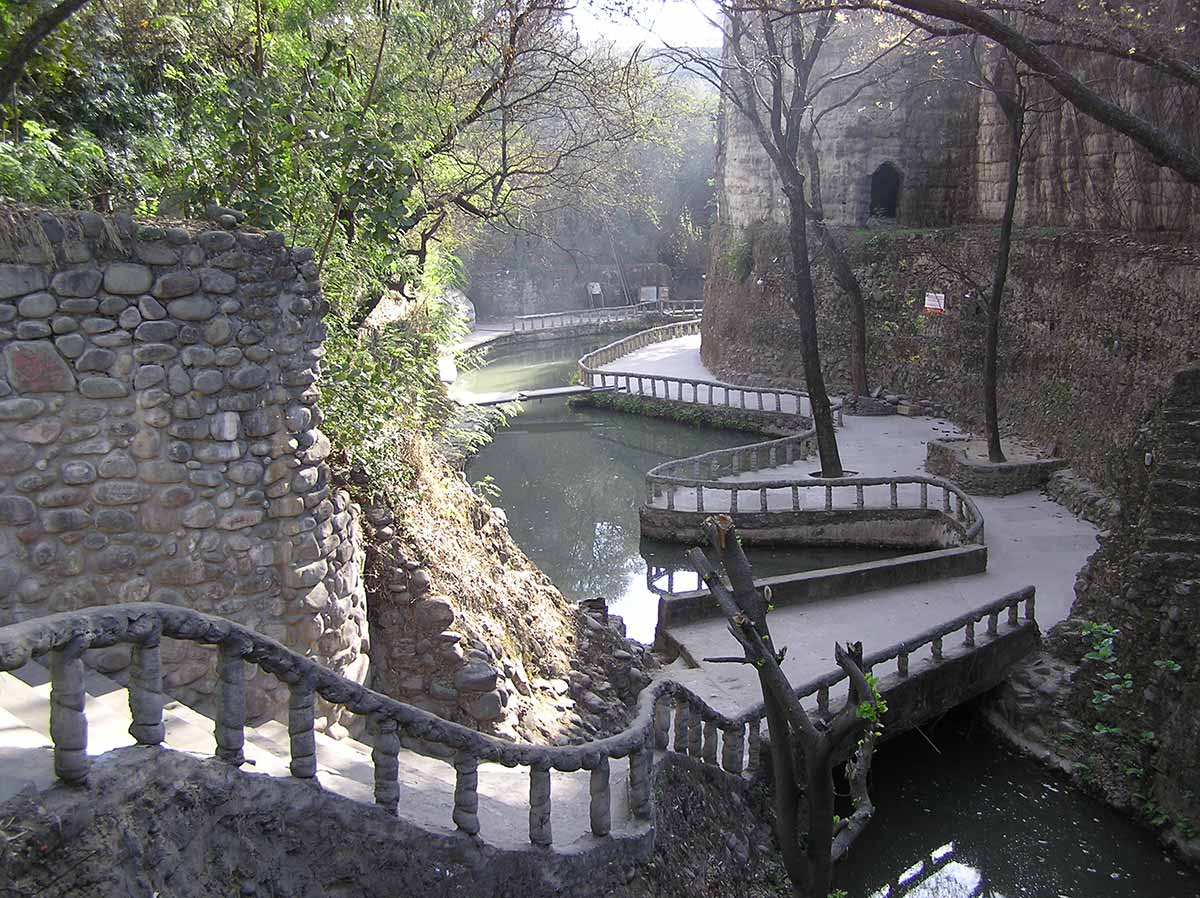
(1030, 539)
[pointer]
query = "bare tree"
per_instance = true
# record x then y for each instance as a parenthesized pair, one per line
(1122, 32)
(803, 750)
(766, 75)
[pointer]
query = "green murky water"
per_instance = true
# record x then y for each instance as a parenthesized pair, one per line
(571, 480)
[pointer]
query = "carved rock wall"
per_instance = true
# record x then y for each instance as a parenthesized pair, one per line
(158, 438)
(949, 142)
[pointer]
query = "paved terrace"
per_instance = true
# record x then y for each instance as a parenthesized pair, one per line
(1031, 541)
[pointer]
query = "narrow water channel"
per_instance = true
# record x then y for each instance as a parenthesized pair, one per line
(571, 480)
(966, 819)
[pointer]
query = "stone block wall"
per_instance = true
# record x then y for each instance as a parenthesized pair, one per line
(159, 441)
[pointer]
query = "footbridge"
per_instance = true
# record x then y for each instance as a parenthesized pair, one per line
(560, 810)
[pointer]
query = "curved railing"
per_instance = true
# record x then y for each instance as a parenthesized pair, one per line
(65, 637)
(699, 391)
(911, 491)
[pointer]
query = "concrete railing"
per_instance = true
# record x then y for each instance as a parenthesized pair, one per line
(571, 317)
(730, 743)
(687, 389)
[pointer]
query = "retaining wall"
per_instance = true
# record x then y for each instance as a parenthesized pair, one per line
(158, 438)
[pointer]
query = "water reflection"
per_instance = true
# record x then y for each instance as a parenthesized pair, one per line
(975, 820)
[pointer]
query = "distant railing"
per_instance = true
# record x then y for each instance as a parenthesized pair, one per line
(65, 637)
(570, 317)
(688, 389)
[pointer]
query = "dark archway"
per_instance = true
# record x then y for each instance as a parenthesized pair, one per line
(885, 191)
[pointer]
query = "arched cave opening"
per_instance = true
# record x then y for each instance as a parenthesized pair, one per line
(885, 191)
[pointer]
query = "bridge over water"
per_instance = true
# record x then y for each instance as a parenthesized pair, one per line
(562, 810)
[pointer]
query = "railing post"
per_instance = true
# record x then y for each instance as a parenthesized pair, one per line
(828, 498)
(695, 732)
(823, 700)
(540, 832)
(731, 750)
(231, 703)
(894, 497)
(670, 497)
(302, 738)
(924, 495)
(146, 692)
(466, 793)
(699, 497)
(753, 745)
(937, 649)
(600, 808)
(385, 755)
(733, 499)
(795, 497)
(662, 724)
(946, 499)
(762, 499)
(68, 722)
(709, 752)
(902, 664)
(970, 637)
(681, 726)
(993, 624)
(1012, 614)
(639, 782)
(1029, 606)
(858, 496)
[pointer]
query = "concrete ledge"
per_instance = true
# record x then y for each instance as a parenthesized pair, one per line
(904, 528)
(947, 459)
(850, 579)
(723, 417)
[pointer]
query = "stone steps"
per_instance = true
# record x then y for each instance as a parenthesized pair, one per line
(1176, 492)
(1175, 519)
(344, 766)
(1176, 543)
(1186, 470)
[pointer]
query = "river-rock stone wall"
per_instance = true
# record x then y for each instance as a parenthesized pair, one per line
(159, 438)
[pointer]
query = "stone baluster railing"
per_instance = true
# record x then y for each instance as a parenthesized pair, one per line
(730, 743)
(677, 478)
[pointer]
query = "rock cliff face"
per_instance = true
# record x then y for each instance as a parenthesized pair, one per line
(158, 438)
(946, 143)
(1092, 327)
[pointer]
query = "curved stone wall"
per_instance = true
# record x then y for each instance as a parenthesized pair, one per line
(158, 438)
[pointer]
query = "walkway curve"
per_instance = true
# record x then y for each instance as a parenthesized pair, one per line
(680, 485)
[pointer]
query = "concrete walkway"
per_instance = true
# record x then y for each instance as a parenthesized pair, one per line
(1030, 539)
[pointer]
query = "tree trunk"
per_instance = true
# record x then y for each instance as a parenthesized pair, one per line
(847, 281)
(804, 304)
(22, 50)
(991, 411)
(819, 779)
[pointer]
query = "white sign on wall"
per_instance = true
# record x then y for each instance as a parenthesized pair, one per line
(935, 304)
(648, 294)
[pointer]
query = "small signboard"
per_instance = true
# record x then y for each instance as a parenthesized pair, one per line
(648, 294)
(935, 304)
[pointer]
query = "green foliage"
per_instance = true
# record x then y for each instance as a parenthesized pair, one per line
(47, 167)
(739, 257)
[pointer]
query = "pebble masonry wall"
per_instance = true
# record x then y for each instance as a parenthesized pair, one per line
(158, 438)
